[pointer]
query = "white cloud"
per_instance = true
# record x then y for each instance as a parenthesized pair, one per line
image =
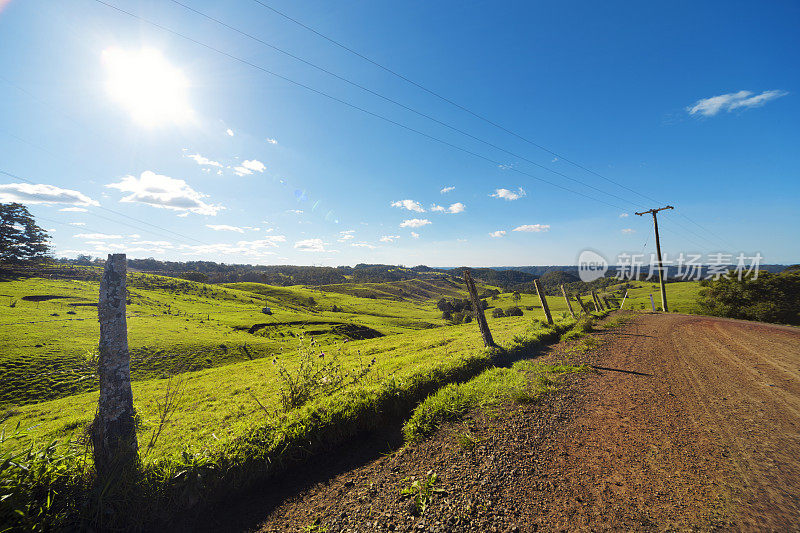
(164, 192)
(346, 235)
(507, 194)
(229, 132)
(497, 234)
(446, 190)
(414, 235)
(251, 165)
(73, 209)
(708, 107)
(628, 230)
(509, 166)
(40, 193)
(624, 215)
(295, 211)
(389, 238)
(183, 215)
(77, 223)
(533, 228)
(411, 205)
(204, 161)
(457, 207)
(272, 141)
(362, 244)
(257, 248)
(415, 223)
(310, 245)
(225, 227)
(96, 236)
(159, 244)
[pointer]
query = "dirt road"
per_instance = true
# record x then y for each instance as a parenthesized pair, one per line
(689, 423)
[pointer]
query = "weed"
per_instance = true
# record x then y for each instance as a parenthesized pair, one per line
(467, 440)
(420, 491)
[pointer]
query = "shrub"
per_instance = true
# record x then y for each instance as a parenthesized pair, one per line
(766, 298)
(498, 313)
(514, 311)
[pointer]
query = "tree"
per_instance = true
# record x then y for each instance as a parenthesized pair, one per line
(21, 240)
(516, 296)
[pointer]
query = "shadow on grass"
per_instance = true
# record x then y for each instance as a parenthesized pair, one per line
(245, 511)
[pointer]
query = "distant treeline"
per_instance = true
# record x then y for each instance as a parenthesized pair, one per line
(508, 278)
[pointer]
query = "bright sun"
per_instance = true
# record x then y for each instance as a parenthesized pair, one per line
(148, 86)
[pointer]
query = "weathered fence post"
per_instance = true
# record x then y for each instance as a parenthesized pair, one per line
(569, 304)
(543, 299)
(623, 299)
(480, 317)
(114, 429)
(652, 304)
(583, 306)
(597, 303)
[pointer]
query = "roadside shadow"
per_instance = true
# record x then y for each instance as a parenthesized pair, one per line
(245, 510)
(623, 334)
(622, 371)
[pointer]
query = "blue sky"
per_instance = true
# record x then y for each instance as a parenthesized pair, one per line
(692, 104)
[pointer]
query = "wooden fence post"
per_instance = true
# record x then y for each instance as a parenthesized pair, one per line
(114, 429)
(543, 299)
(583, 306)
(569, 304)
(597, 303)
(652, 304)
(480, 317)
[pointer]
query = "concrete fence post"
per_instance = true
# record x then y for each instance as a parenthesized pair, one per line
(114, 428)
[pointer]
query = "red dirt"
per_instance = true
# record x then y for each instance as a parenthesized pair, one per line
(689, 423)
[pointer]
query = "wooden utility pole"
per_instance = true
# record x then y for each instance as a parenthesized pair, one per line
(583, 306)
(658, 251)
(569, 304)
(543, 299)
(623, 299)
(114, 429)
(480, 317)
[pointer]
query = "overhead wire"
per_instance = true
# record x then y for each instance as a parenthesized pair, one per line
(395, 102)
(471, 112)
(348, 104)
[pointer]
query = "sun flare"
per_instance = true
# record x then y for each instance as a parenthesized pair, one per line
(152, 90)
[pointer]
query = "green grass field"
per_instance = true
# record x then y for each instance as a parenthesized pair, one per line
(384, 349)
(201, 332)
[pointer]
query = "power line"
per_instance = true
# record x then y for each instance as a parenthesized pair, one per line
(393, 101)
(346, 103)
(469, 111)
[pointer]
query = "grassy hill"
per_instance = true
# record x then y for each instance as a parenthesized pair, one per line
(50, 330)
(250, 393)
